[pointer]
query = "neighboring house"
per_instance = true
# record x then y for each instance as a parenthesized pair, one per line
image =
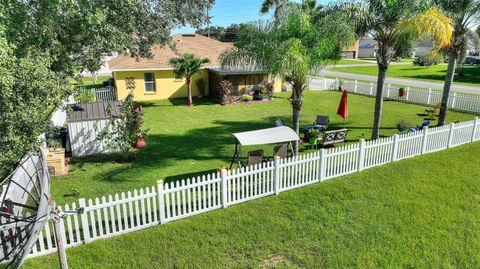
(154, 78)
(367, 48)
(350, 52)
(85, 122)
(422, 48)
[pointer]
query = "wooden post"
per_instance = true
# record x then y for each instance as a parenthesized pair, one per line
(450, 135)
(371, 88)
(474, 129)
(224, 188)
(59, 231)
(408, 92)
(396, 138)
(424, 139)
(276, 175)
(356, 85)
(321, 165)
(361, 154)
(161, 201)
(84, 219)
(388, 90)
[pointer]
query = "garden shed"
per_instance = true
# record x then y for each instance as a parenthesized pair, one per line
(85, 122)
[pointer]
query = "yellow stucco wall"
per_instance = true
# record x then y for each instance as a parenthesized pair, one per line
(166, 86)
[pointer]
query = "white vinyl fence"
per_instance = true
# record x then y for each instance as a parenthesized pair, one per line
(104, 94)
(122, 213)
(458, 101)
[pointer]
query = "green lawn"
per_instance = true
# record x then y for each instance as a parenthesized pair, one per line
(470, 76)
(347, 61)
(416, 213)
(183, 142)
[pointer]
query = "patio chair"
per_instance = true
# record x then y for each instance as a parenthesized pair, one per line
(433, 111)
(420, 127)
(278, 122)
(255, 157)
(322, 120)
(280, 151)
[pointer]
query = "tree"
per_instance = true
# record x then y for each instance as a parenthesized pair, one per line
(391, 22)
(290, 47)
(186, 66)
(464, 14)
(277, 5)
(44, 42)
(221, 33)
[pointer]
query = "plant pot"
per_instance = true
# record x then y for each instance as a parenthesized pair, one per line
(140, 143)
(313, 140)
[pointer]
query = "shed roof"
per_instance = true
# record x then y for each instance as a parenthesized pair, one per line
(93, 111)
(267, 136)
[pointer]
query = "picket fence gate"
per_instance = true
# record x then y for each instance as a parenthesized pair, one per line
(458, 101)
(122, 213)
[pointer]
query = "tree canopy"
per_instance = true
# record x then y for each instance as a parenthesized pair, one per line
(44, 42)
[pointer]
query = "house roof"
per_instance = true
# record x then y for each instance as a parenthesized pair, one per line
(200, 46)
(93, 111)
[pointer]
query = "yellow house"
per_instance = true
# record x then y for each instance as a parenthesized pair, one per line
(154, 78)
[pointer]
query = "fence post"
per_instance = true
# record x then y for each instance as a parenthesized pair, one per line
(324, 83)
(450, 135)
(84, 219)
(429, 97)
(356, 85)
(475, 128)
(424, 139)
(371, 88)
(454, 97)
(321, 165)
(388, 90)
(161, 201)
(361, 154)
(396, 138)
(276, 175)
(408, 92)
(224, 188)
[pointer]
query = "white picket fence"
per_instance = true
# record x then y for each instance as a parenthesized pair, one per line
(123, 213)
(103, 94)
(458, 101)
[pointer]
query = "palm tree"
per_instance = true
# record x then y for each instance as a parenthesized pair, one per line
(278, 5)
(289, 47)
(391, 22)
(187, 65)
(463, 13)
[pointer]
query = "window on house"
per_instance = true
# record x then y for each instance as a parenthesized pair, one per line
(149, 79)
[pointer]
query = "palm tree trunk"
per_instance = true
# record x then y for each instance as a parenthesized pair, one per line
(452, 63)
(382, 73)
(297, 101)
(189, 90)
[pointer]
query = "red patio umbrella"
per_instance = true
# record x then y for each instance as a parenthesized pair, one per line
(343, 107)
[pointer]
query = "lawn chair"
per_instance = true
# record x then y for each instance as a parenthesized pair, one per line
(278, 122)
(280, 151)
(255, 157)
(433, 111)
(420, 127)
(322, 121)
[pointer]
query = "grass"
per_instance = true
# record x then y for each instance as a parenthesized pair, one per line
(348, 61)
(87, 82)
(184, 142)
(415, 213)
(435, 73)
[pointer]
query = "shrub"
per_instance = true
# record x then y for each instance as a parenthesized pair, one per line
(428, 60)
(85, 96)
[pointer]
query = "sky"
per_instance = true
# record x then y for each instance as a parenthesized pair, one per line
(226, 12)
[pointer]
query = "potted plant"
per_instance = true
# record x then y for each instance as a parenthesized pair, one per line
(402, 126)
(402, 92)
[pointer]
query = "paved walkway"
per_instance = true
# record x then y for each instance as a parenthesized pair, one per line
(404, 82)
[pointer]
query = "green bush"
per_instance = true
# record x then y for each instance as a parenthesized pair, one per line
(85, 96)
(428, 60)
